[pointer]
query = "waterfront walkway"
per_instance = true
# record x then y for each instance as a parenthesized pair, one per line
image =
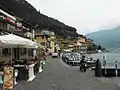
(59, 76)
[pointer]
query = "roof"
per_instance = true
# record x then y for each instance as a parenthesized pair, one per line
(14, 17)
(28, 24)
(80, 35)
(7, 14)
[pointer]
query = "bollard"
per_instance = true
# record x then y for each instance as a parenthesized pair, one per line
(43, 62)
(31, 72)
(15, 76)
(1, 77)
(104, 65)
(98, 72)
(40, 68)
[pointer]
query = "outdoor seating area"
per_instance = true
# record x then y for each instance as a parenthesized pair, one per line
(21, 56)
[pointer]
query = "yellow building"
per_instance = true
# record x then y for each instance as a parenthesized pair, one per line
(41, 39)
(81, 44)
(52, 41)
(47, 39)
(63, 43)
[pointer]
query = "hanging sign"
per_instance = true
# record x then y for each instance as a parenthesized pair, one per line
(8, 78)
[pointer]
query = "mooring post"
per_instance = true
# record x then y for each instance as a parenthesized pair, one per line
(104, 64)
(116, 71)
(98, 72)
(105, 67)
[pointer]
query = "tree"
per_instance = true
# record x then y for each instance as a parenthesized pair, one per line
(90, 48)
(99, 47)
(103, 49)
(94, 46)
(27, 12)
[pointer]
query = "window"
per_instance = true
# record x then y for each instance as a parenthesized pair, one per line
(11, 27)
(5, 25)
(6, 52)
(23, 51)
(1, 24)
(42, 37)
(30, 52)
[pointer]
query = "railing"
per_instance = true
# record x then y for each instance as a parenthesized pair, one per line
(111, 65)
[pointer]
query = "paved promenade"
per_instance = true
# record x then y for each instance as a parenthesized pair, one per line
(59, 76)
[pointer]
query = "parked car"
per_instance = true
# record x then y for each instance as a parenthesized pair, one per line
(65, 56)
(54, 55)
(74, 59)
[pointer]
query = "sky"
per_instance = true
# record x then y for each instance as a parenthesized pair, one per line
(85, 15)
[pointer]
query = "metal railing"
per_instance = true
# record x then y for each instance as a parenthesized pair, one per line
(110, 64)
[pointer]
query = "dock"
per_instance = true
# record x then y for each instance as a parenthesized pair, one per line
(109, 68)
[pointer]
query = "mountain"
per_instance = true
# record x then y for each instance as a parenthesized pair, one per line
(108, 38)
(26, 11)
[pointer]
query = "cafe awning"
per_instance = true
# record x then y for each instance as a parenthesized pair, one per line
(11, 40)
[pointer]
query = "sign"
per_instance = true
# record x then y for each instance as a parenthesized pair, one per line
(8, 78)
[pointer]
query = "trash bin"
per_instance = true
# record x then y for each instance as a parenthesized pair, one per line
(98, 71)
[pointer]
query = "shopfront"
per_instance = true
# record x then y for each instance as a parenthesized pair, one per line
(17, 53)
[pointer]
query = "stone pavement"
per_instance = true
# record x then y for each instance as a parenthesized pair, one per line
(59, 76)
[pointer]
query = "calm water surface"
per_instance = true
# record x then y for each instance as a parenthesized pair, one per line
(109, 56)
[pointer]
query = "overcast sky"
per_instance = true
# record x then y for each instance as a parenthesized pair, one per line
(85, 15)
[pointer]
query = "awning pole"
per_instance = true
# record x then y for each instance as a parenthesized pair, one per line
(26, 53)
(20, 52)
(1, 52)
(11, 55)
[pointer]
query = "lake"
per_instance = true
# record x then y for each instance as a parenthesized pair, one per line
(109, 56)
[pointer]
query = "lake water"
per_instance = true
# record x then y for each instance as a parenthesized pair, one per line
(109, 56)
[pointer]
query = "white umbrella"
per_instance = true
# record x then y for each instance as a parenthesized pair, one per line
(16, 41)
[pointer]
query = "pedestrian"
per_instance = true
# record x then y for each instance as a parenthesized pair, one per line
(44, 56)
(82, 60)
(59, 53)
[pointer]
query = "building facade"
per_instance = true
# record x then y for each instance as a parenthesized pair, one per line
(47, 39)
